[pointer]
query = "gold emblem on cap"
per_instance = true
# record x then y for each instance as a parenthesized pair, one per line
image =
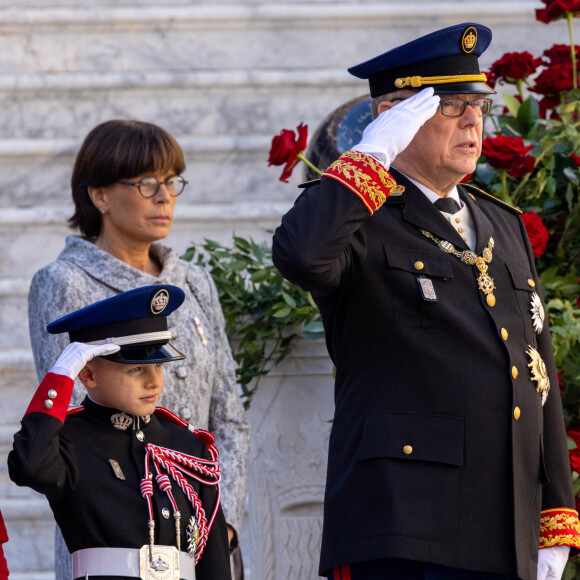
(539, 373)
(469, 39)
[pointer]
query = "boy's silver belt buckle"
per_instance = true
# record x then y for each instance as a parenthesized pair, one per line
(164, 565)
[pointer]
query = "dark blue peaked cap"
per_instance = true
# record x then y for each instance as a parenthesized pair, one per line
(135, 320)
(446, 60)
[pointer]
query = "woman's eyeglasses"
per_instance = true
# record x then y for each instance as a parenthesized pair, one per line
(149, 186)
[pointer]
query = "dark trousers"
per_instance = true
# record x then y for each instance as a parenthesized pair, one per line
(396, 569)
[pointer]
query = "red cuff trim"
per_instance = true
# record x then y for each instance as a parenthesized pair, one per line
(365, 177)
(559, 527)
(52, 396)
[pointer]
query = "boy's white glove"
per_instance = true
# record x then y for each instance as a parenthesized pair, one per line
(391, 132)
(552, 561)
(77, 354)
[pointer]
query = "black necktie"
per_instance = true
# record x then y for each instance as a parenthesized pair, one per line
(447, 204)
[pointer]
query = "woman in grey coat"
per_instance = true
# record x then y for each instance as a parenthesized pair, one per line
(126, 178)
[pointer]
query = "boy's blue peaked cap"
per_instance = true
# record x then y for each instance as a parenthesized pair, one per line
(446, 60)
(135, 320)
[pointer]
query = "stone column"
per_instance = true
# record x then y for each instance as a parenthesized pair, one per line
(290, 416)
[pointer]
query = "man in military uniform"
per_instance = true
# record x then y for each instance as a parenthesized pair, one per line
(447, 456)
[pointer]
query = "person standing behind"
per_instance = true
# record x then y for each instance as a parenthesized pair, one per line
(447, 455)
(125, 181)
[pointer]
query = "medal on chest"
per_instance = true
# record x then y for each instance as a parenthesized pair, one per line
(484, 280)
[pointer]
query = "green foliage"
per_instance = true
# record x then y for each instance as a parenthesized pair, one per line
(264, 313)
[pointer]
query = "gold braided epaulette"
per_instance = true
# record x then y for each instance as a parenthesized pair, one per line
(484, 195)
(559, 527)
(365, 177)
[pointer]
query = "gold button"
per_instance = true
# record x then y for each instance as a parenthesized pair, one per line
(517, 413)
(52, 394)
(531, 283)
(460, 230)
(48, 404)
(419, 265)
(407, 450)
(464, 239)
(504, 334)
(457, 220)
(514, 372)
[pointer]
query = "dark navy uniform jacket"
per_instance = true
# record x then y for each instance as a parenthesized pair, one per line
(427, 461)
(94, 508)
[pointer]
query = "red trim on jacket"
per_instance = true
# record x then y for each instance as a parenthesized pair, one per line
(559, 527)
(365, 177)
(54, 404)
(342, 572)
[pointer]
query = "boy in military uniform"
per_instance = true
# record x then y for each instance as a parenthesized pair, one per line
(133, 487)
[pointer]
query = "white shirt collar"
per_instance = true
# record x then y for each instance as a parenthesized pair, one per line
(431, 195)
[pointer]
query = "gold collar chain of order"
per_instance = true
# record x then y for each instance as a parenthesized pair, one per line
(484, 281)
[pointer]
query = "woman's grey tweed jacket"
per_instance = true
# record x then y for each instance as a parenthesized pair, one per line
(202, 388)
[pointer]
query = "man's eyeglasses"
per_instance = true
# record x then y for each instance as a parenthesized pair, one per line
(456, 107)
(149, 186)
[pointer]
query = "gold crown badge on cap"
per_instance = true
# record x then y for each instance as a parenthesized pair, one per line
(469, 39)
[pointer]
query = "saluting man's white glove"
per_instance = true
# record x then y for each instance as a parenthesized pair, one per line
(552, 561)
(77, 354)
(391, 132)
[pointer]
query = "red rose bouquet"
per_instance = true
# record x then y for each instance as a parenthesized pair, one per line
(531, 159)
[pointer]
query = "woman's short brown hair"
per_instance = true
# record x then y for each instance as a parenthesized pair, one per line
(113, 151)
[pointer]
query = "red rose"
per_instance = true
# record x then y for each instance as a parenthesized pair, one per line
(560, 54)
(547, 105)
(537, 233)
(506, 152)
(514, 66)
(556, 9)
(286, 148)
(575, 159)
(491, 79)
(554, 79)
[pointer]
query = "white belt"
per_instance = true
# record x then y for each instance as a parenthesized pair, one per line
(171, 564)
